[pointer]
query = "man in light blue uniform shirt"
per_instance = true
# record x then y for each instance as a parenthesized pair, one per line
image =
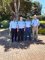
(28, 28)
(21, 28)
(13, 28)
(35, 24)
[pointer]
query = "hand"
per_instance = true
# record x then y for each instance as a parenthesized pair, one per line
(17, 30)
(24, 29)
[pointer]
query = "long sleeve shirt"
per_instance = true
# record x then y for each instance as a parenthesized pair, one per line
(21, 24)
(28, 24)
(35, 22)
(13, 25)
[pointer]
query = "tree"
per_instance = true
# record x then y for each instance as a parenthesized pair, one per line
(21, 6)
(36, 8)
(17, 7)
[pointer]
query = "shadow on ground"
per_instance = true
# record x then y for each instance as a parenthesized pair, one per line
(6, 42)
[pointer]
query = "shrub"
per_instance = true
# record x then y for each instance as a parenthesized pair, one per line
(42, 31)
(5, 23)
(42, 22)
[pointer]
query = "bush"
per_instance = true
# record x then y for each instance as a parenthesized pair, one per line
(5, 23)
(42, 27)
(42, 31)
(42, 22)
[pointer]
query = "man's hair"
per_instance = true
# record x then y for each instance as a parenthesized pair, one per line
(20, 16)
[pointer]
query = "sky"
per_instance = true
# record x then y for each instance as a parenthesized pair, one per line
(43, 6)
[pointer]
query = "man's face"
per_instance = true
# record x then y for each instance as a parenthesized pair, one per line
(14, 18)
(21, 18)
(35, 16)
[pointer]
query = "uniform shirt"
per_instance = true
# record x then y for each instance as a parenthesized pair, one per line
(28, 24)
(35, 22)
(21, 24)
(13, 24)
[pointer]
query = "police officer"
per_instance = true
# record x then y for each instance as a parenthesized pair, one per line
(35, 24)
(28, 28)
(13, 28)
(21, 28)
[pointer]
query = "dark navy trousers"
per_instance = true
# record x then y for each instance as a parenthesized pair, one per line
(28, 33)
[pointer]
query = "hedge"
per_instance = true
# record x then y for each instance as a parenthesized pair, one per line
(5, 23)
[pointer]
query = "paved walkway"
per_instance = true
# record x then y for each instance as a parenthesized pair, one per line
(26, 50)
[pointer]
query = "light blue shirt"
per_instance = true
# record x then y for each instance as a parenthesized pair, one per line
(21, 24)
(28, 24)
(13, 24)
(35, 22)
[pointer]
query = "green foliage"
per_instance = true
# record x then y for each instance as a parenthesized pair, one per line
(36, 8)
(42, 22)
(42, 31)
(5, 23)
(25, 7)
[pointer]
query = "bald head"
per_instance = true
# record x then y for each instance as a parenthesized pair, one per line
(35, 16)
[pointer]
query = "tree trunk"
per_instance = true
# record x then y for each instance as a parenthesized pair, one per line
(17, 7)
